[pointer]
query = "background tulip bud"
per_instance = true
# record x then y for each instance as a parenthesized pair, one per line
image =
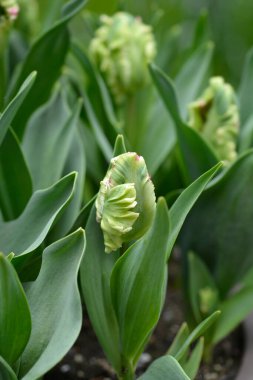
(208, 300)
(215, 115)
(122, 48)
(9, 10)
(126, 201)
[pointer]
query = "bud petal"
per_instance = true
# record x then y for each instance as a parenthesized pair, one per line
(9, 10)
(126, 201)
(122, 48)
(215, 115)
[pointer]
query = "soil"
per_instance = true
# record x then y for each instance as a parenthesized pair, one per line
(86, 359)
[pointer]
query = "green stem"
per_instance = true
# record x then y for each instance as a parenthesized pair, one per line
(4, 34)
(127, 372)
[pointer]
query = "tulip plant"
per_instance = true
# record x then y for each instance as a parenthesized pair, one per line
(104, 165)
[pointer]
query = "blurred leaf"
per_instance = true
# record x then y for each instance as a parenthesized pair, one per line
(56, 42)
(245, 90)
(6, 371)
(178, 341)
(15, 319)
(185, 202)
(215, 228)
(137, 284)
(233, 311)
(106, 7)
(196, 156)
(192, 77)
(191, 367)
(196, 333)
(15, 180)
(9, 113)
(246, 135)
(165, 367)
(27, 232)
(119, 146)
(199, 278)
(95, 284)
(47, 140)
(49, 12)
(55, 307)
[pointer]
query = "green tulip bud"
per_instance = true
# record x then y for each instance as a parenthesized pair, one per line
(9, 10)
(208, 300)
(215, 115)
(122, 48)
(126, 201)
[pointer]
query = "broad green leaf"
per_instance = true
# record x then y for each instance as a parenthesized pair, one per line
(163, 368)
(196, 156)
(137, 284)
(217, 228)
(192, 77)
(15, 180)
(6, 372)
(233, 311)
(27, 232)
(191, 367)
(199, 279)
(49, 12)
(15, 319)
(95, 284)
(9, 113)
(196, 333)
(245, 90)
(246, 135)
(55, 307)
(83, 215)
(119, 146)
(47, 140)
(178, 341)
(185, 202)
(55, 43)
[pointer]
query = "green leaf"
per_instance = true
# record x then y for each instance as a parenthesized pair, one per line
(9, 113)
(199, 278)
(246, 135)
(83, 215)
(233, 311)
(196, 156)
(47, 140)
(137, 284)
(119, 147)
(99, 6)
(6, 371)
(196, 333)
(27, 232)
(245, 90)
(191, 79)
(55, 307)
(185, 202)
(217, 228)
(95, 284)
(15, 180)
(54, 42)
(15, 319)
(163, 368)
(178, 341)
(191, 367)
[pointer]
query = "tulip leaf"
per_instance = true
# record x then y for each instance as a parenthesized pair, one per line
(55, 307)
(185, 202)
(119, 146)
(196, 156)
(37, 218)
(9, 113)
(15, 319)
(191, 366)
(165, 367)
(245, 90)
(138, 282)
(178, 341)
(6, 371)
(15, 180)
(56, 42)
(95, 284)
(215, 228)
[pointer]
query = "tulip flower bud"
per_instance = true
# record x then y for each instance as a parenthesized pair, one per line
(215, 115)
(126, 201)
(208, 300)
(122, 48)
(9, 10)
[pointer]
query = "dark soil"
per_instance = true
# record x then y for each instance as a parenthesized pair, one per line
(86, 359)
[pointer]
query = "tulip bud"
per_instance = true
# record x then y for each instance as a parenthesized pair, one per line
(122, 48)
(208, 300)
(126, 201)
(215, 115)
(9, 10)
